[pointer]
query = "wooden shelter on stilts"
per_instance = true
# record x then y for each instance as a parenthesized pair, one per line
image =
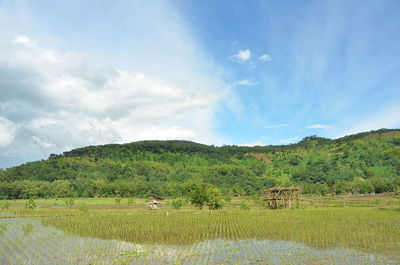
(155, 203)
(281, 197)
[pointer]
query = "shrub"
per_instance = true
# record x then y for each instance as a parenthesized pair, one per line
(83, 208)
(227, 198)
(177, 204)
(69, 202)
(30, 204)
(244, 206)
(4, 204)
(117, 201)
(131, 201)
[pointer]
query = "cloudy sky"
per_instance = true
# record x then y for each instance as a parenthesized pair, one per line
(77, 73)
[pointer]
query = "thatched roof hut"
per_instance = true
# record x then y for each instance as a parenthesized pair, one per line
(155, 203)
(156, 197)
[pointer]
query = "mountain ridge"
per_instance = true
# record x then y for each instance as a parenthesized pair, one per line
(361, 163)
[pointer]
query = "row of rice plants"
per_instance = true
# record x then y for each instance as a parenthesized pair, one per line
(46, 245)
(366, 229)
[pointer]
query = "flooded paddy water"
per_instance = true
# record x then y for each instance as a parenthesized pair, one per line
(27, 241)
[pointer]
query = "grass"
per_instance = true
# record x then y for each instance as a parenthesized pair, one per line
(368, 223)
(372, 230)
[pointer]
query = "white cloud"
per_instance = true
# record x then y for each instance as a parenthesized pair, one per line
(21, 39)
(7, 132)
(58, 100)
(320, 126)
(257, 143)
(246, 82)
(276, 126)
(242, 55)
(289, 140)
(265, 58)
(43, 142)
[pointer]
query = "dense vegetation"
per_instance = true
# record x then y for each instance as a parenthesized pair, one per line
(361, 163)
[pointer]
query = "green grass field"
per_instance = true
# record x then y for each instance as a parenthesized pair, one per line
(365, 224)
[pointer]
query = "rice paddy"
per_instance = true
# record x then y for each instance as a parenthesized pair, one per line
(121, 235)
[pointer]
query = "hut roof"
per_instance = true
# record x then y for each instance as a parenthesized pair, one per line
(279, 189)
(156, 197)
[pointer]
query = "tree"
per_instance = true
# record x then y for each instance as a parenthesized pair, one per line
(214, 200)
(199, 196)
(204, 194)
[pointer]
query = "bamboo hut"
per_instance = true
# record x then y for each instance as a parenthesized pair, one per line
(281, 197)
(155, 203)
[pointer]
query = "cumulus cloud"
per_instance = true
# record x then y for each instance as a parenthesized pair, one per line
(265, 58)
(7, 131)
(59, 101)
(242, 55)
(320, 126)
(246, 82)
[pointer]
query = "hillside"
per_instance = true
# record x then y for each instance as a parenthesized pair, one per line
(361, 163)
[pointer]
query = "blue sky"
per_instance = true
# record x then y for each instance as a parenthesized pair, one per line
(77, 73)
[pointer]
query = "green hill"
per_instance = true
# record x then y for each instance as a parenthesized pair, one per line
(361, 163)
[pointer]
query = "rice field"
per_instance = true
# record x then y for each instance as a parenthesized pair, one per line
(119, 235)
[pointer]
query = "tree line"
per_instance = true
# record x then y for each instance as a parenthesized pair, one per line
(363, 163)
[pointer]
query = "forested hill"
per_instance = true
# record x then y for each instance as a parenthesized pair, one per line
(361, 163)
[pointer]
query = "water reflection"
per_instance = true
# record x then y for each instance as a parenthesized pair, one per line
(27, 241)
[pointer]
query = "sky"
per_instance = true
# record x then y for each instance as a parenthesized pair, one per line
(77, 73)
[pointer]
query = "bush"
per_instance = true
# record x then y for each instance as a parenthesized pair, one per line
(227, 198)
(244, 206)
(362, 187)
(131, 201)
(117, 201)
(69, 202)
(341, 187)
(177, 204)
(4, 204)
(382, 185)
(30, 204)
(83, 208)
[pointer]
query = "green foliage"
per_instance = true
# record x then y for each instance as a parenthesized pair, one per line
(214, 200)
(30, 204)
(383, 184)
(83, 208)
(315, 188)
(117, 201)
(131, 201)
(199, 196)
(244, 206)
(172, 168)
(227, 198)
(204, 194)
(4, 204)
(362, 186)
(177, 204)
(69, 202)
(341, 187)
